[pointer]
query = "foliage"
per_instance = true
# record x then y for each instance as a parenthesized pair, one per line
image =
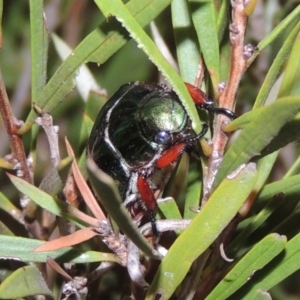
(244, 242)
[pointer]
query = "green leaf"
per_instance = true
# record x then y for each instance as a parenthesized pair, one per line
(276, 271)
(7, 206)
(291, 76)
(242, 121)
(186, 41)
(223, 19)
(169, 208)
(21, 249)
(290, 224)
(275, 68)
(279, 29)
(25, 281)
(98, 47)
(203, 230)
(194, 187)
(262, 295)
(39, 49)
(256, 221)
(258, 134)
(264, 168)
(5, 230)
(254, 260)
(294, 169)
(85, 81)
(289, 186)
(109, 196)
(290, 132)
(46, 201)
(205, 22)
(117, 8)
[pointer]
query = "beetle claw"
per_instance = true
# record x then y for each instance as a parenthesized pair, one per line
(221, 111)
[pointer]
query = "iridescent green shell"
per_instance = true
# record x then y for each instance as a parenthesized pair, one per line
(126, 134)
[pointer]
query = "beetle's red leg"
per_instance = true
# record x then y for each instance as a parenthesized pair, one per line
(199, 97)
(149, 200)
(201, 100)
(146, 193)
(170, 156)
(175, 151)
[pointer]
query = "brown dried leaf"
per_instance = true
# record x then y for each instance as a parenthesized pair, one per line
(86, 193)
(69, 240)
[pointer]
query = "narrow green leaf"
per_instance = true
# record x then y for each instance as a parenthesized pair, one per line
(278, 269)
(203, 230)
(194, 187)
(242, 121)
(109, 196)
(261, 254)
(223, 19)
(290, 225)
(275, 68)
(118, 9)
(264, 168)
(279, 29)
(262, 295)
(21, 249)
(44, 200)
(29, 282)
(39, 49)
(7, 206)
(256, 221)
(205, 22)
(98, 47)
(258, 134)
(5, 230)
(85, 81)
(290, 132)
(294, 169)
(143, 11)
(186, 41)
(289, 186)
(169, 208)
(291, 77)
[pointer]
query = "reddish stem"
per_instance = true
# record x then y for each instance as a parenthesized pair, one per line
(227, 98)
(12, 126)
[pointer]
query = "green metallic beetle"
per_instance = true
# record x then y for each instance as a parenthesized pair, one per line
(138, 137)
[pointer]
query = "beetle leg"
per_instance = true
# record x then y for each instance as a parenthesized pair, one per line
(199, 97)
(223, 111)
(149, 201)
(201, 100)
(175, 151)
(200, 135)
(170, 156)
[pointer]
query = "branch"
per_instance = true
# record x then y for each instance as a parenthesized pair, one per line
(239, 57)
(12, 125)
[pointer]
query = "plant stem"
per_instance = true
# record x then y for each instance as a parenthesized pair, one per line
(227, 97)
(12, 126)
